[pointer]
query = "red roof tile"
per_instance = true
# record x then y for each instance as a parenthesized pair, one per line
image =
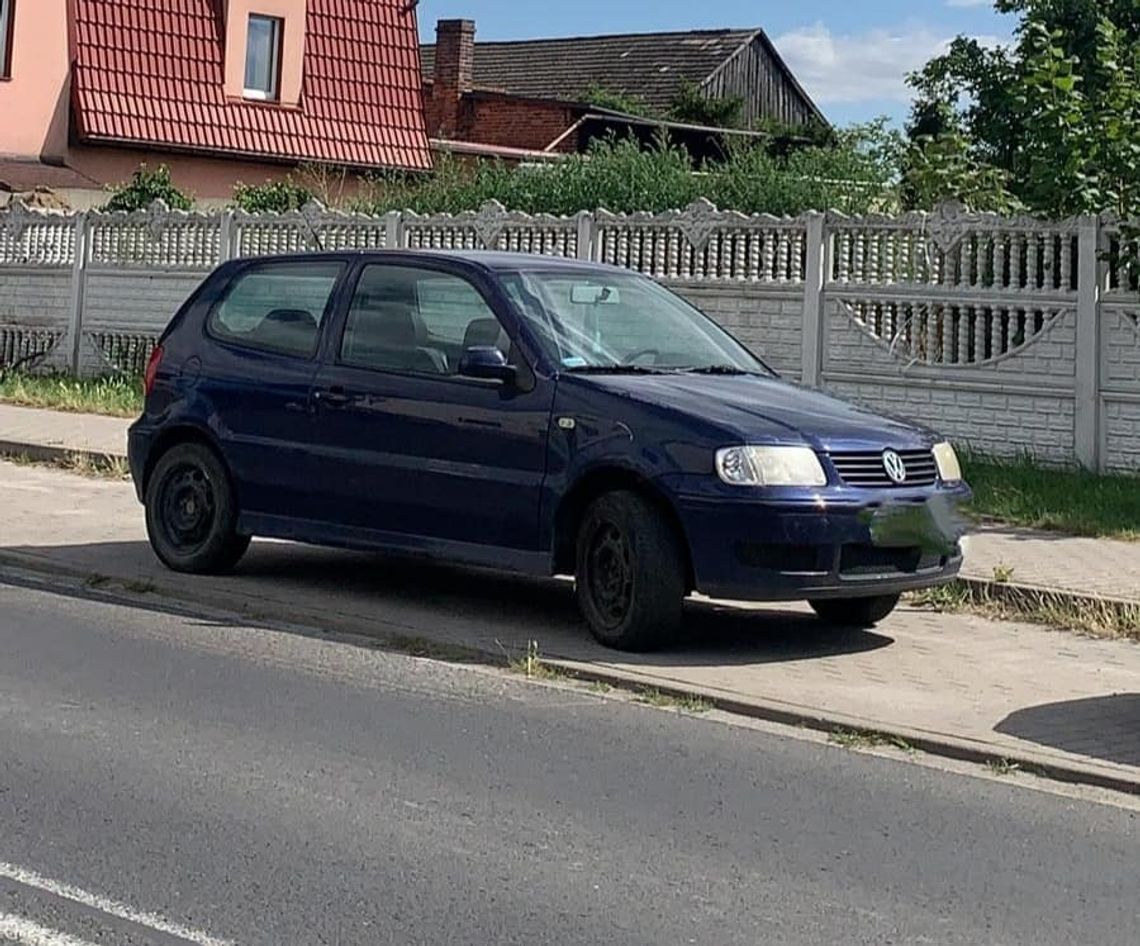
(151, 72)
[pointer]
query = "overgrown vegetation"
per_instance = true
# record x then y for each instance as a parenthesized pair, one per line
(691, 105)
(115, 395)
(1021, 492)
(145, 187)
(600, 97)
(852, 176)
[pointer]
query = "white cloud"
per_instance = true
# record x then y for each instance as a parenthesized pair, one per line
(860, 67)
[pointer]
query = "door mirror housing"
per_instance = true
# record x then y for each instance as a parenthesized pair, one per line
(488, 363)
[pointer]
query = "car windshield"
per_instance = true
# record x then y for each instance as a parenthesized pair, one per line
(624, 323)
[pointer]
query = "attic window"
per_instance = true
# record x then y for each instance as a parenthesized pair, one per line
(7, 23)
(262, 57)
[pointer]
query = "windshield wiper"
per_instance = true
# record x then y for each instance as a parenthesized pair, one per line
(717, 369)
(618, 369)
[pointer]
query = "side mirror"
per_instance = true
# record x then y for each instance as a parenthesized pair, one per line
(488, 363)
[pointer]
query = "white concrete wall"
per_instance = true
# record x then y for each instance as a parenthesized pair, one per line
(985, 329)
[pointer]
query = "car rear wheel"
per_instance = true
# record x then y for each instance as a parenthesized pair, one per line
(191, 512)
(630, 576)
(855, 612)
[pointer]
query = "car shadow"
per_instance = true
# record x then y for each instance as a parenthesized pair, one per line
(482, 604)
(1101, 727)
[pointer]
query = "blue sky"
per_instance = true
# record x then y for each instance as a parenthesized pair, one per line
(851, 55)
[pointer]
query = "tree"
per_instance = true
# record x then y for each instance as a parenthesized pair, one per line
(1055, 119)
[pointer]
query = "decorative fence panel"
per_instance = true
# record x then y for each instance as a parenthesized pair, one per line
(1009, 334)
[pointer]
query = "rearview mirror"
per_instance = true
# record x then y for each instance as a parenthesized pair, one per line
(488, 363)
(593, 294)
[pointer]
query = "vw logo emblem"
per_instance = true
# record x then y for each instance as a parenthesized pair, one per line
(894, 466)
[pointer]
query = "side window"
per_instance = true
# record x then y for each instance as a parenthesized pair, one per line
(416, 320)
(279, 307)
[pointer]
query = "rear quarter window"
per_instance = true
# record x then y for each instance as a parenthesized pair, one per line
(277, 307)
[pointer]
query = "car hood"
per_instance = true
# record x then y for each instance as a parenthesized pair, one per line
(766, 408)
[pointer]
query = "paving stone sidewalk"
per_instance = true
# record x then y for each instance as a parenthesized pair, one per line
(1095, 567)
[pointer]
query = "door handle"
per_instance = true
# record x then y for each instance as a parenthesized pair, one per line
(334, 397)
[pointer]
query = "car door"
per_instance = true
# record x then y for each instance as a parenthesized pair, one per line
(257, 374)
(410, 448)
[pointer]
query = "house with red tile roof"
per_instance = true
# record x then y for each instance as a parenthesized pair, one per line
(220, 91)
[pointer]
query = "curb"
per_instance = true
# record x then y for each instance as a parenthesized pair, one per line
(57, 454)
(945, 745)
(1025, 596)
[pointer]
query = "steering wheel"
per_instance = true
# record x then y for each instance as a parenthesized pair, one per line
(645, 352)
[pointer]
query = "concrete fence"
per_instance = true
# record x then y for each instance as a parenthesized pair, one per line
(1008, 334)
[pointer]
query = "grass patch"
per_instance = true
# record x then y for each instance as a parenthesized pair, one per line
(1020, 492)
(1003, 767)
(1096, 618)
(115, 395)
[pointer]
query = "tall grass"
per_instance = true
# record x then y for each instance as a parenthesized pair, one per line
(1021, 492)
(115, 395)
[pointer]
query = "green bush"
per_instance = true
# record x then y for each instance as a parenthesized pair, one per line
(271, 197)
(144, 188)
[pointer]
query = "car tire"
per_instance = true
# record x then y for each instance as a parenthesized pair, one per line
(630, 574)
(855, 612)
(191, 512)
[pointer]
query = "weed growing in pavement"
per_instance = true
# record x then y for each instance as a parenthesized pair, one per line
(140, 586)
(1003, 767)
(435, 650)
(599, 686)
(866, 739)
(81, 464)
(686, 703)
(1003, 573)
(95, 580)
(534, 667)
(1094, 617)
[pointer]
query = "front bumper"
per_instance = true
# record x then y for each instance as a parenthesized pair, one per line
(830, 543)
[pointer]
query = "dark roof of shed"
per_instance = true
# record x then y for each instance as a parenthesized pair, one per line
(647, 65)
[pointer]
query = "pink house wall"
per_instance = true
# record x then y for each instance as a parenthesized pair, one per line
(34, 102)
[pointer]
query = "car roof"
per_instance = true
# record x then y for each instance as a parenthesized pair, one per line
(491, 260)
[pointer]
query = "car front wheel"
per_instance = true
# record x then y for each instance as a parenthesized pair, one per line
(855, 612)
(191, 512)
(630, 576)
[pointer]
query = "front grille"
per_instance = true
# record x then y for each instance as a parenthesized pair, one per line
(865, 468)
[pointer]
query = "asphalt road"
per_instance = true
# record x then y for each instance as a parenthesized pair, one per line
(167, 779)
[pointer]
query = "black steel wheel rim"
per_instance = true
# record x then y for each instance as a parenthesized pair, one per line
(186, 508)
(609, 573)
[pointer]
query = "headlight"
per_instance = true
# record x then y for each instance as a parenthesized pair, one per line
(949, 469)
(770, 466)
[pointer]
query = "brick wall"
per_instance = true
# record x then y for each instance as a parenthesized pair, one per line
(495, 118)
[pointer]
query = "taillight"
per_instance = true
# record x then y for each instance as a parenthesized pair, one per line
(152, 370)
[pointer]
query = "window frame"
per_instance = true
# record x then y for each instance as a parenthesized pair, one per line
(525, 371)
(277, 40)
(326, 316)
(7, 38)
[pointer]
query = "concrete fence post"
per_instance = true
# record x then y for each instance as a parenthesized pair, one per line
(394, 230)
(585, 235)
(815, 277)
(78, 293)
(1086, 419)
(227, 237)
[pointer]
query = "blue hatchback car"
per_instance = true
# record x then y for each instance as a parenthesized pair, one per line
(530, 414)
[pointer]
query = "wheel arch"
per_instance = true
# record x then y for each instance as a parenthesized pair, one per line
(176, 436)
(608, 479)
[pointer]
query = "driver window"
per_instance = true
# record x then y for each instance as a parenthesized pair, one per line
(417, 321)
